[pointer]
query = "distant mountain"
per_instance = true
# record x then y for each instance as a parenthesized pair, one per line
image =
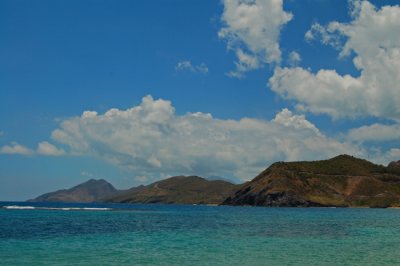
(89, 191)
(179, 189)
(341, 181)
(394, 165)
(233, 180)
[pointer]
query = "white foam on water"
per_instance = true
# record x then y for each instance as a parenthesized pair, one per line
(15, 207)
(82, 209)
(97, 209)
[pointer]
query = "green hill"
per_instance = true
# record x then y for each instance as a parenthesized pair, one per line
(341, 181)
(179, 189)
(89, 191)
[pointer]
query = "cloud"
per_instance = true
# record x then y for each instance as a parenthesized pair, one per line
(151, 141)
(372, 36)
(375, 132)
(15, 148)
(384, 157)
(325, 34)
(393, 154)
(373, 137)
(325, 92)
(294, 58)
(45, 148)
(1, 133)
(287, 118)
(186, 65)
(251, 29)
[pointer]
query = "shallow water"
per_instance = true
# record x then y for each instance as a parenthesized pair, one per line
(129, 234)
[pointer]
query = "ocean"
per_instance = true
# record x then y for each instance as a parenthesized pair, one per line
(142, 234)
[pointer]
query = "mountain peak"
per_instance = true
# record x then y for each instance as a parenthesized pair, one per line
(91, 190)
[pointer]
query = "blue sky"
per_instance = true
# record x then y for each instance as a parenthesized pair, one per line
(200, 87)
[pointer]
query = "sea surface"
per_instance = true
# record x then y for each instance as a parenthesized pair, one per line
(130, 234)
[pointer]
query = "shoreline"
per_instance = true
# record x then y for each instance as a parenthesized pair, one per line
(26, 205)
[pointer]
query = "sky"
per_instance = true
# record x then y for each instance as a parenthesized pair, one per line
(137, 91)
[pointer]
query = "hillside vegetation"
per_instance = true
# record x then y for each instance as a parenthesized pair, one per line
(341, 181)
(89, 191)
(180, 190)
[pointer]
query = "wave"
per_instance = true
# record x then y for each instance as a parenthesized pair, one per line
(16, 207)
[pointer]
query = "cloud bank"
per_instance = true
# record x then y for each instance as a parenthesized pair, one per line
(152, 141)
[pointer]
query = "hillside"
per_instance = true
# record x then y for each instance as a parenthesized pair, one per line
(179, 189)
(89, 191)
(341, 181)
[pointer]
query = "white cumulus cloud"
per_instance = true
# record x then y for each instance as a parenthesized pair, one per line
(45, 148)
(373, 37)
(151, 140)
(15, 148)
(186, 65)
(251, 29)
(288, 119)
(375, 132)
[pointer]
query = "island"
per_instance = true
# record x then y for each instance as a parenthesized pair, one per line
(342, 181)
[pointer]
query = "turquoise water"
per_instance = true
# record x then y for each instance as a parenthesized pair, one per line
(198, 235)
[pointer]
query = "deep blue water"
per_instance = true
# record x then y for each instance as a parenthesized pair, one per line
(130, 234)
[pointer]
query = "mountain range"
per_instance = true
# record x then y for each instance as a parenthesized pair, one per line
(342, 181)
(178, 189)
